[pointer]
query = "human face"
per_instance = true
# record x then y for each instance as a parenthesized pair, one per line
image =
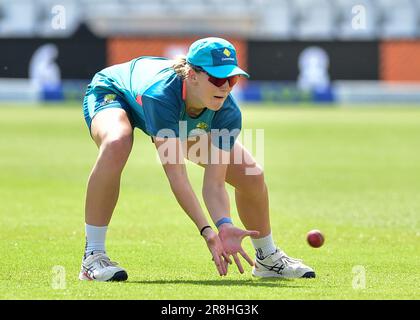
(214, 91)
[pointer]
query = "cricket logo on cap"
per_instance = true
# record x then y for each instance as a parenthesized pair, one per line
(223, 56)
(226, 52)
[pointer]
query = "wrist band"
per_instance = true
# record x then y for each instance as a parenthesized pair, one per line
(203, 228)
(223, 220)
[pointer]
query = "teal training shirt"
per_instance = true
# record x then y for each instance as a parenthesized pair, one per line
(153, 91)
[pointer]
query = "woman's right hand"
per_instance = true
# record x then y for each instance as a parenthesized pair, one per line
(220, 258)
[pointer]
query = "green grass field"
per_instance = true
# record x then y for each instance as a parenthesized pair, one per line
(354, 173)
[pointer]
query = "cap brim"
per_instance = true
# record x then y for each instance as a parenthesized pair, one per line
(225, 71)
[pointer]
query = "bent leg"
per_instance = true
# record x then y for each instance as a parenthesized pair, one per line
(113, 134)
(251, 192)
(251, 197)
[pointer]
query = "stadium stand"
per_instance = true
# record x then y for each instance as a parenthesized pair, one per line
(400, 18)
(316, 19)
(358, 19)
(18, 18)
(272, 19)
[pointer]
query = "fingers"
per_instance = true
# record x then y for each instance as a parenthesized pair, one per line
(223, 267)
(247, 258)
(238, 263)
(219, 265)
(223, 262)
(227, 259)
(226, 264)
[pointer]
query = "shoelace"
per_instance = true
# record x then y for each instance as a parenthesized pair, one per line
(285, 259)
(103, 260)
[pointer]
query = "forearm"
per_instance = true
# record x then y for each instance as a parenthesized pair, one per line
(178, 180)
(187, 199)
(216, 199)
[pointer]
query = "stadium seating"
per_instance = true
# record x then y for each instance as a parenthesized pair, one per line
(400, 18)
(316, 19)
(18, 18)
(276, 21)
(358, 19)
(273, 19)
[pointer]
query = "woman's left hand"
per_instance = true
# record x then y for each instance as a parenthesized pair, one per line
(231, 238)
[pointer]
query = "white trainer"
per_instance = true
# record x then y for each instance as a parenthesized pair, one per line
(99, 267)
(278, 264)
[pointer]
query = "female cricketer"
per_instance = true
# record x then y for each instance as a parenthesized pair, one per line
(176, 102)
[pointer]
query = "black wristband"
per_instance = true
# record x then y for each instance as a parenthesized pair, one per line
(203, 228)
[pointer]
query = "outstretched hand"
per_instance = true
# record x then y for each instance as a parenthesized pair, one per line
(231, 238)
(220, 257)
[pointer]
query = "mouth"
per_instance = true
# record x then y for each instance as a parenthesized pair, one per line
(219, 97)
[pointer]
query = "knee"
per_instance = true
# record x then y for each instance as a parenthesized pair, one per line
(257, 178)
(255, 181)
(117, 148)
(255, 172)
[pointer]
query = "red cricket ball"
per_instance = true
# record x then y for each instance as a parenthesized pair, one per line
(315, 238)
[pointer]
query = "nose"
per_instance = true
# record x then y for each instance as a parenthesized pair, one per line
(225, 86)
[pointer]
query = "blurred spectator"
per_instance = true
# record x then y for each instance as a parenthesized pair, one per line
(45, 73)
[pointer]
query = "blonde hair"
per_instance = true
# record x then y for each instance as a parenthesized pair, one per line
(182, 67)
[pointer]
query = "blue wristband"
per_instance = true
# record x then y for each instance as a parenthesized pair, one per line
(222, 221)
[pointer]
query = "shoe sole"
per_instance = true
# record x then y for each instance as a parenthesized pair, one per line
(119, 276)
(307, 275)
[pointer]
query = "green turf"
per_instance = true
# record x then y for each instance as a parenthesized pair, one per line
(354, 173)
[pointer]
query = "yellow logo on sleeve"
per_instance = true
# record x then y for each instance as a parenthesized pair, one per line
(109, 98)
(202, 125)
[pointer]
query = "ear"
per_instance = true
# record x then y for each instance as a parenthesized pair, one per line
(192, 75)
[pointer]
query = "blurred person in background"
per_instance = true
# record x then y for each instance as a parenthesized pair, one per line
(45, 73)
